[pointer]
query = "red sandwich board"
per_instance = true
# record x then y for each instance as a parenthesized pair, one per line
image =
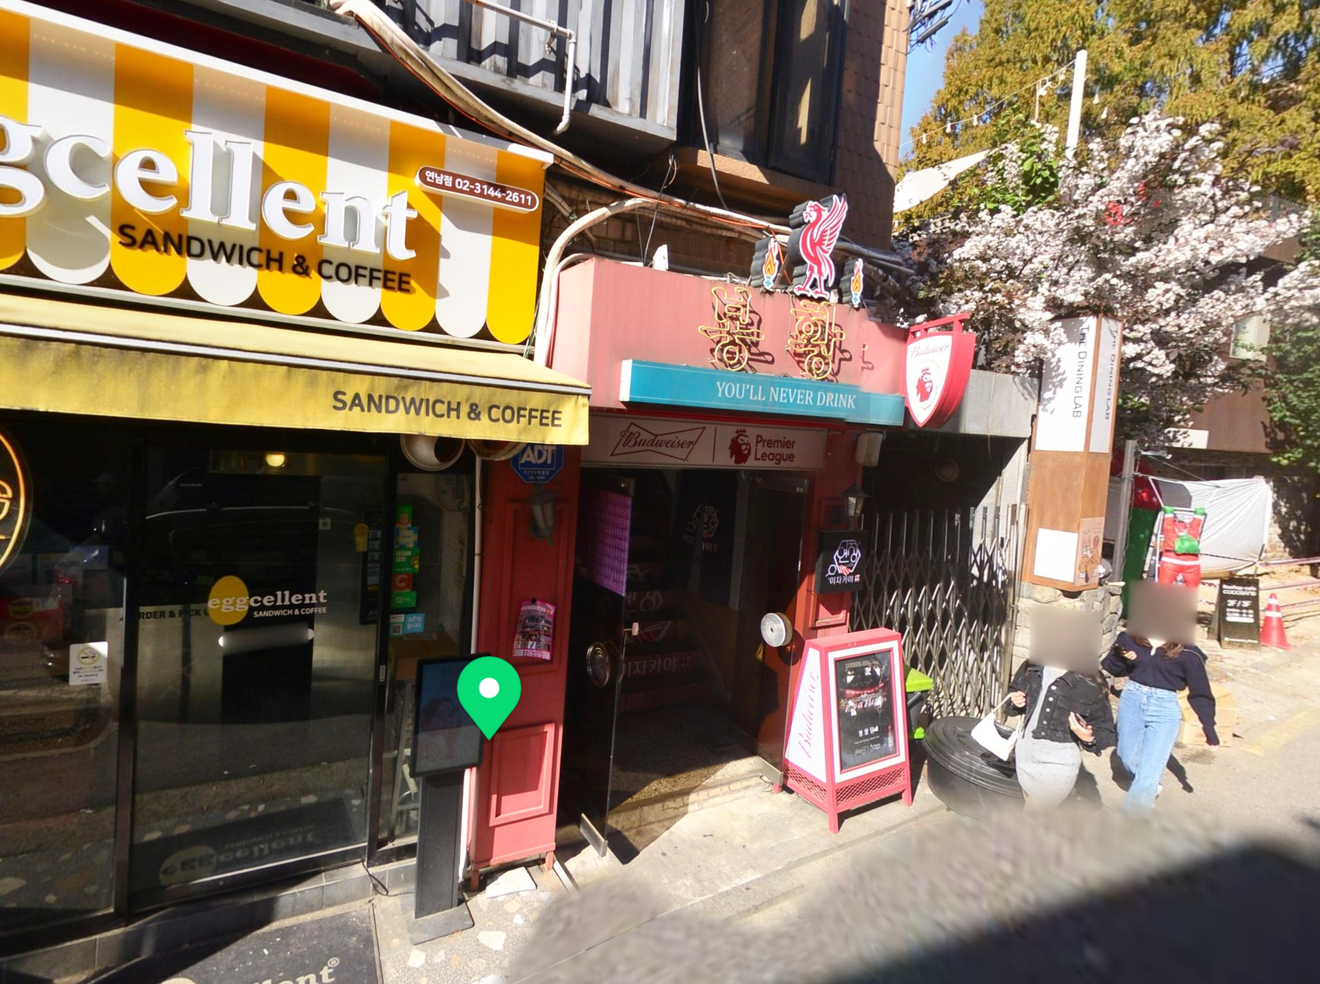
(848, 728)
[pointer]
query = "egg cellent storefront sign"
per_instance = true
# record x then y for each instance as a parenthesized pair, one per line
(229, 602)
(182, 176)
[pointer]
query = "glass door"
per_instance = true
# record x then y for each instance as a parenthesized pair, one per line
(257, 649)
(596, 651)
(771, 560)
(427, 602)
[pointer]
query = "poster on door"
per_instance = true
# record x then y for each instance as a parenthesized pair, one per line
(604, 525)
(536, 629)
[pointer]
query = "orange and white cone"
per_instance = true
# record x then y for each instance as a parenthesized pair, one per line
(1271, 632)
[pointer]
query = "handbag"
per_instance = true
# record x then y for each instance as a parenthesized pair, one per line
(995, 737)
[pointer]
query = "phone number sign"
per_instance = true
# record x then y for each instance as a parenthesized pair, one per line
(438, 181)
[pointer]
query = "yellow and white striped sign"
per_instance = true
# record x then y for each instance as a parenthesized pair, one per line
(136, 165)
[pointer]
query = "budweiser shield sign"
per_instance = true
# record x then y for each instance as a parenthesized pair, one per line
(939, 363)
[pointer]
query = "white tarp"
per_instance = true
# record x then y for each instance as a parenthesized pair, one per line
(918, 186)
(1237, 518)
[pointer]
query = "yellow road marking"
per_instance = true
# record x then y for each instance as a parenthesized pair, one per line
(1276, 737)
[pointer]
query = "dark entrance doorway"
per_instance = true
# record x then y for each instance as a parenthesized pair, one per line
(690, 696)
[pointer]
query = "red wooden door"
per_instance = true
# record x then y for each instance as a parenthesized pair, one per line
(517, 784)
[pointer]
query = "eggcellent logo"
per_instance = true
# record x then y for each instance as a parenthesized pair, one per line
(228, 602)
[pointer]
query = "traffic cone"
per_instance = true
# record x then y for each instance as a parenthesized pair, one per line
(1271, 632)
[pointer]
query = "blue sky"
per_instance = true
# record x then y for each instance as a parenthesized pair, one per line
(925, 66)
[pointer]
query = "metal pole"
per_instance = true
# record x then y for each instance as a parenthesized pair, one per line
(1075, 110)
(546, 25)
(1124, 509)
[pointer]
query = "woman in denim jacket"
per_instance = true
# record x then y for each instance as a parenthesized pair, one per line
(1068, 712)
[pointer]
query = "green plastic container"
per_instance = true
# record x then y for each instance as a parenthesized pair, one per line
(918, 686)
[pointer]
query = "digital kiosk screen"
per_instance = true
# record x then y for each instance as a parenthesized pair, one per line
(446, 739)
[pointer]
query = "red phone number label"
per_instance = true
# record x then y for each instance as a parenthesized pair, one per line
(505, 196)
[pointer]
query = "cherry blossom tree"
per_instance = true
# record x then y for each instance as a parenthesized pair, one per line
(1151, 229)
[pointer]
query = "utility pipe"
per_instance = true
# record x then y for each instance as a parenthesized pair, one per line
(469, 775)
(430, 73)
(548, 297)
(554, 28)
(566, 210)
(543, 329)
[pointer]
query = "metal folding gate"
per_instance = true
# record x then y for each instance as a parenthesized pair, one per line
(947, 581)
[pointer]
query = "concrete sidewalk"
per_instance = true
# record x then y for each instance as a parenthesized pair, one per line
(730, 859)
(765, 865)
(754, 887)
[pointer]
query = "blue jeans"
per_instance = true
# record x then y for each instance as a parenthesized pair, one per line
(1148, 723)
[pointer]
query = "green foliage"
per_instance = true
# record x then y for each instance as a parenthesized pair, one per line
(1025, 175)
(1309, 241)
(1292, 386)
(1251, 65)
(1293, 398)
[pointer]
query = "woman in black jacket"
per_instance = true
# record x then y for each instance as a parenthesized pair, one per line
(1149, 715)
(1068, 711)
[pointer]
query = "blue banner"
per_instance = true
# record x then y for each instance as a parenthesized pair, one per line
(718, 389)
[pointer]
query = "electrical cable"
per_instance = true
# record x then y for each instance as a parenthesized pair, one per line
(671, 172)
(422, 66)
(948, 125)
(701, 112)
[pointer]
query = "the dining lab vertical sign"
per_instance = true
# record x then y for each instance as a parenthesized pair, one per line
(1074, 434)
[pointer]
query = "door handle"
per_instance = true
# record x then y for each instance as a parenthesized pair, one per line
(602, 663)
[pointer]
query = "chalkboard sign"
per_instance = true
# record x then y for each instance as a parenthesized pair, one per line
(1238, 611)
(446, 738)
(839, 559)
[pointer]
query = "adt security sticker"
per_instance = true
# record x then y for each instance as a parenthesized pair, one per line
(88, 663)
(537, 464)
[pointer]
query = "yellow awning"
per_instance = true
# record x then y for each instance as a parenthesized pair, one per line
(114, 362)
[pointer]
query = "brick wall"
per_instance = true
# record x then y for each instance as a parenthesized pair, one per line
(705, 249)
(870, 117)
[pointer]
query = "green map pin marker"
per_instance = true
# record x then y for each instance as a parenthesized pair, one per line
(488, 689)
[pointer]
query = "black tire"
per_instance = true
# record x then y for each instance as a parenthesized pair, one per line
(967, 778)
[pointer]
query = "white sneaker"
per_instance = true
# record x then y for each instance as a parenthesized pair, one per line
(1159, 789)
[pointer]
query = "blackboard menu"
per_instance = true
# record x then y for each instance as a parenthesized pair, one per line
(1238, 610)
(865, 690)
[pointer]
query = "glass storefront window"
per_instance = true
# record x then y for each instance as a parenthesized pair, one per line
(61, 652)
(266, 583)
(426, 601)
(258, 622)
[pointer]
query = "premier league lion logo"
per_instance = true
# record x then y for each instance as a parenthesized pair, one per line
(740, 448)
(925, 384)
